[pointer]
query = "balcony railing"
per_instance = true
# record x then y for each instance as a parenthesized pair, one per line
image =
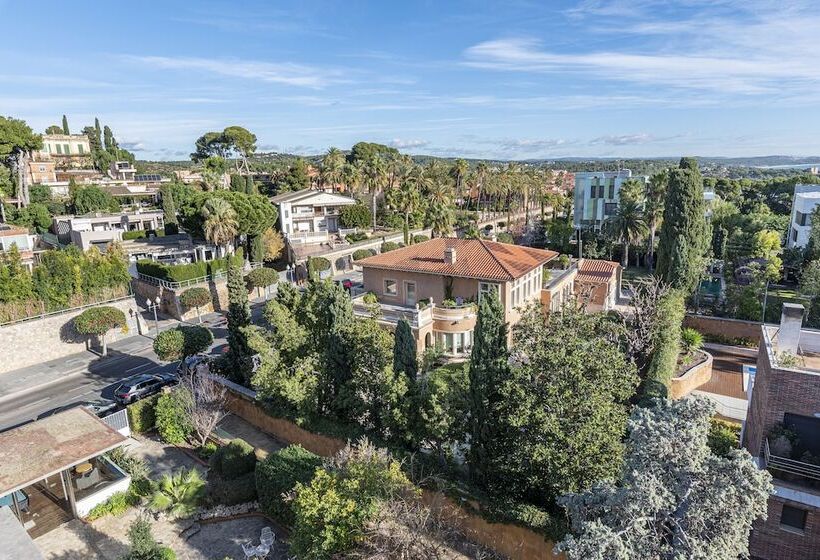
(392, 314)
(789, 466)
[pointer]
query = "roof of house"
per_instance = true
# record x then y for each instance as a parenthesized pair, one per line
(475, 258)
(45, 447)
(596, 271)
(9, 230)
(325, 197)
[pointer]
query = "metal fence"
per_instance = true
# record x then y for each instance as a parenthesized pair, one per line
(119, 422)
(68, 310)
(193, 281)
(789, 466)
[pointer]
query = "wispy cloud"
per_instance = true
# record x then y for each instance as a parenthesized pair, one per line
(400, 144)
(631, 139)
(287, 73)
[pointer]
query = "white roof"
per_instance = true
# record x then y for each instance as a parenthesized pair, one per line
(310, 196)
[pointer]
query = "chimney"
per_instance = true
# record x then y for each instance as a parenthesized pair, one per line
(450, 255)
(791, 320)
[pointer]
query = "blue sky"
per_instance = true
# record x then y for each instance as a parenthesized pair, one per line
(509, 79)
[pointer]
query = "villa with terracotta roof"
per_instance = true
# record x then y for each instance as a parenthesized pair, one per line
(597, 284)
(436, 285)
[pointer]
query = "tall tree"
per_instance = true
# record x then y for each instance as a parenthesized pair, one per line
(65, 125)
(653, 210)
(17, 141)
(489, 369)
(627, 225)
(458, 172)
(220, 226)
(239, 317)
(675, 498)
(169, 208)
(405, 199)
(683, 240)
(243, 143)
(405, 359)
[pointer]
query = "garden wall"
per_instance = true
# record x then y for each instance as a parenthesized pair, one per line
(511, 541)
(39, 340)
(694, 377)
(723, 327)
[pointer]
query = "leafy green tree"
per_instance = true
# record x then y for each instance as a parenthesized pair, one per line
(404, 351)
(674, 498)
(237, 183)
(183, 341)
(90, 199)
(627, 225)
(564, 409)
(242, 141)
(267, 246)
(489, 369)
(683, 240)
(442, 408)
(54, 129)
(720, 237)
(17, 141)
(172, 421)
(211, 144)
(195, 297)
(15, 280)
(355, 216)
(405, 199)
(262, 278)
(179, 494)
(767, 245)
(220, 225)
(239, 317)
(142, 545)
(98, 321)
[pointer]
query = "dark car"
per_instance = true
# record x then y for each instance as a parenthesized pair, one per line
(142, 386)
(346, 284)
(102, 408)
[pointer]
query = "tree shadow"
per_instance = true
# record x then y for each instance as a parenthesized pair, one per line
(214, 296)
(69, 334)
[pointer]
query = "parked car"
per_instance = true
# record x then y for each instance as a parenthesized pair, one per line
(197, 363)
(346, 284)
(142, 386)
(102, 408)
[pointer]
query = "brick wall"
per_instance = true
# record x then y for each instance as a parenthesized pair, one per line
(769, 541)
(721, 326)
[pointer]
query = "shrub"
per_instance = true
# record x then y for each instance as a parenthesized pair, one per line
(355, 215)
(505, 237)
(664, 362)
(172, 421)
(563, 261)
(206, 451)
(136, 234)
(278, 475)
(419, 238)
(117, 504)
(231, 492)
(133, 465)
(233, 460)
(388, 246)
(360, 254)
(315, 265)
(262, 277)
(180, 342)
(355, 237)
(98, 321)
(723, 436)
(142, 414)
(171, 229)
(179, 494)
(370, 298)
(184, 272)
(195, 297)
(691, 340)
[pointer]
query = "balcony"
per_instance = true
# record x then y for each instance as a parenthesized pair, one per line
(389, 314)
(790, 470)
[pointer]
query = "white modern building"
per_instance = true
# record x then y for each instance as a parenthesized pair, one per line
(98, 230)
(806, 198)
(309, 216)
(597, 194)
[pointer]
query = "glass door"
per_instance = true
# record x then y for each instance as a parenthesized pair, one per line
(410, 293)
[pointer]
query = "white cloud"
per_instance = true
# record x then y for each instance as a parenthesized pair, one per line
(287, 73)
(400, 144)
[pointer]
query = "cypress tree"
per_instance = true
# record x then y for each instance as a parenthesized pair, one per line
(250, 186)
(169, 208)
(65, 125)
(683, 239)
(404, 351)
(489, 368)
(237, 183)
(108, 139)
(239, 318)
(97, 132)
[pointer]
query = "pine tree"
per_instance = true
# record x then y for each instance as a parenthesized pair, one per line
(404, 351)
(65, 125)
(239, 317)
(250, 186)
(488, 368)
(683, 240)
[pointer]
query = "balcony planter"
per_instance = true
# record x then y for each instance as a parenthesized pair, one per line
(692, 376)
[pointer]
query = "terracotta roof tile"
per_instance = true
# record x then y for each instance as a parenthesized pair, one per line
(597, 271)
(475, 258)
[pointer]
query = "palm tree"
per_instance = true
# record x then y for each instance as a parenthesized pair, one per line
(178, 495)
(351, 176)
(220, 226)
(440, 217)
(332, 164)
(405, 199)
(626, 225)
(374, 173)
(458, 171)
(653, 209)
(481, 176)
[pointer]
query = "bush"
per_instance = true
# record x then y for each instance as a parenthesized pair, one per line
(691, 340)
(117, 504)
(173, 423)
(181, 342)
(142, 414)
(240, 490)
(388, 246)
(136, 234)
(183, 272)
(262, 277)
(233, 460)
(171, 229)
(99, 320)
(195, 297)
(356, 215)
(723, 437)
(133, 465)
(206, 451)
(419, 238)
(315, 265)
(355, 237)
(178, 494)
(664, 362)
(360, 254)
(505, 237)
(278, 475)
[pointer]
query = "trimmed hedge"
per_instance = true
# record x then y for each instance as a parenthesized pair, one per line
(136, 234)
(183, 272)
(664, 362)
(388, 246)
(231, 492)
(355, 237)
(419, 238)
(278, 474)
(233, 460)
(360, 254)
(142, 414)
(315, 265)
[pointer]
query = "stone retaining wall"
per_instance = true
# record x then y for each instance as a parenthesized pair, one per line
(511, 541)
(39, 340)
(699, 374)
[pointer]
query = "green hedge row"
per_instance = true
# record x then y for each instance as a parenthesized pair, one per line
(142, 414)
(183, 272)
(664, 362)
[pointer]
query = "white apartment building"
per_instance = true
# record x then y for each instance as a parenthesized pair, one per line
(806, 198)
(309, 216)
(56, 145)
(98, 230)
(597, 194)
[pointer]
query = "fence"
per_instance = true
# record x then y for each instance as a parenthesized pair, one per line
(45, 314)
(119, 422)
(192, 282)
(789, 466)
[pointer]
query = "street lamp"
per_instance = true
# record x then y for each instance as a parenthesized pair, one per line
(153, 305)
(289, 273)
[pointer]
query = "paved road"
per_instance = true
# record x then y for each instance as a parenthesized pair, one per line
(87, 377)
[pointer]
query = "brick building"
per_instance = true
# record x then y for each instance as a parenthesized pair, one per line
(782, 432)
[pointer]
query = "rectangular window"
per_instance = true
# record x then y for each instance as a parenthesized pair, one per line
(80, 149)
(67, 149)
(59, 148)
(610, 208)
(391, 287)
(487, 287)
(611, 191)
(793, 518)
(410, 293)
